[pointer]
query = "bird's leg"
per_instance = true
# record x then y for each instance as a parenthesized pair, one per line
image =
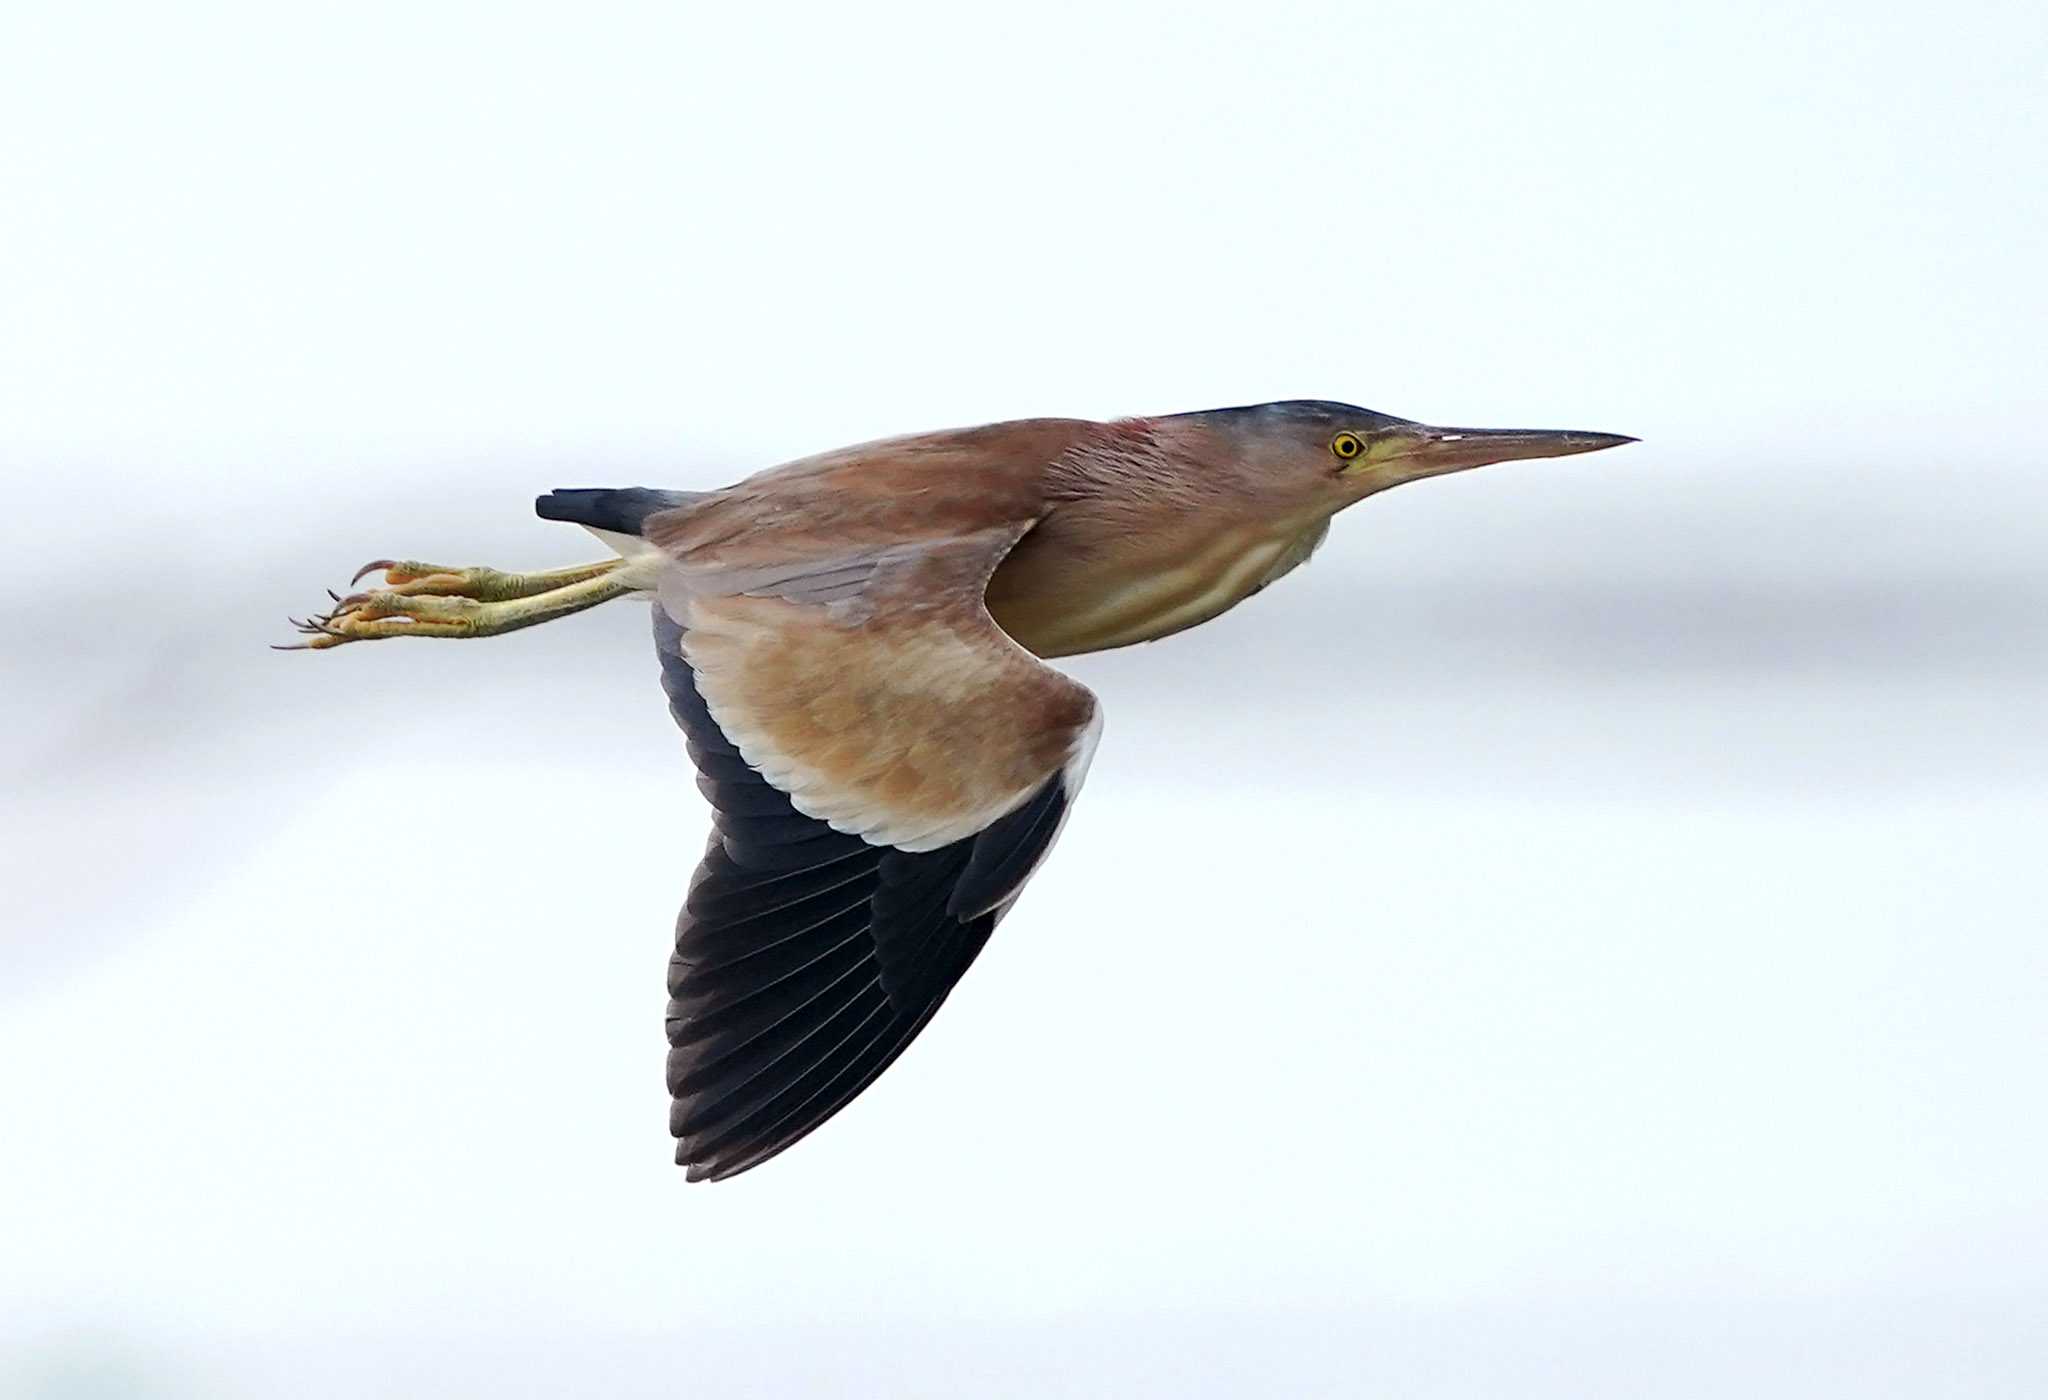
(429, 600)
(408, 576)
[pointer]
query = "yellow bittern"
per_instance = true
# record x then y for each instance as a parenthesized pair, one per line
(852, 645)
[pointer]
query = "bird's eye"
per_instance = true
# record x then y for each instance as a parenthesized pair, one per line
(1346, 446)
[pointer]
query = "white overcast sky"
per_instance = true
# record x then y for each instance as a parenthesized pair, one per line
(1581, 937)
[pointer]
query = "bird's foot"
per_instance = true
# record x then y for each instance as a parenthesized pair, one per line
(433, 600)
(379, 613)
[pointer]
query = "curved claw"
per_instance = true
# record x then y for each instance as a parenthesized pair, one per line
(438, 600)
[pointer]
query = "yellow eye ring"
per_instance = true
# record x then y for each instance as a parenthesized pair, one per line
(1346, 446)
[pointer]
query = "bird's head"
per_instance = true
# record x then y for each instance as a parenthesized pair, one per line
(1338, 453)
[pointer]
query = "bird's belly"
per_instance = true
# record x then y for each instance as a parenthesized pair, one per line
(1058, 606)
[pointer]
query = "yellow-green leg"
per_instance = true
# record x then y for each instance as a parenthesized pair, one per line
(408, 576)
(433, 600)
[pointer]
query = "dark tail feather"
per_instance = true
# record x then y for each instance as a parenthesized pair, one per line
(620, 511)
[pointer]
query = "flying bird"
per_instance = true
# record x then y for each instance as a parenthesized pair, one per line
(854, 645)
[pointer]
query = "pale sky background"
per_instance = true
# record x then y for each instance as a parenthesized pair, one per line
(1581, 937)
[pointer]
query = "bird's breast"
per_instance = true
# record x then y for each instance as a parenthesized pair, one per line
(1059, 595)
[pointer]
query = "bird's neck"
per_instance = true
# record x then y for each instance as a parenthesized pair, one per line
(1143, 542)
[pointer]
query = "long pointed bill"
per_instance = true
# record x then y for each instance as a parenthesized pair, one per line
(1412, 452)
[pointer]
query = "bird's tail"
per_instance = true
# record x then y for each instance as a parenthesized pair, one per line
(620, 511)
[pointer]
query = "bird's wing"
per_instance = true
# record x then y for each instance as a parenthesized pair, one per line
(886, 768)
